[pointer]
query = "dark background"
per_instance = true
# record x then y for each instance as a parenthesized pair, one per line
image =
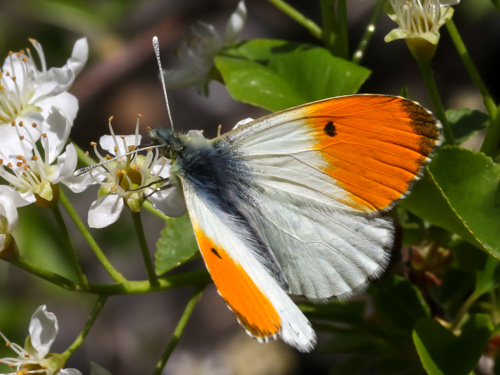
(121, 79)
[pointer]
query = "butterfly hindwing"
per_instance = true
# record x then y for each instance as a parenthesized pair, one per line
(251, 292)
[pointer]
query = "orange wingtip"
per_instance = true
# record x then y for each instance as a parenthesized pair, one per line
(374, 145)
(254, 311)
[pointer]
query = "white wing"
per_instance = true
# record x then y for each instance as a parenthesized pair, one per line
(258, 301)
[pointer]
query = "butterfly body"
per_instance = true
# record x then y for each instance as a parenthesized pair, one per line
(292, 203)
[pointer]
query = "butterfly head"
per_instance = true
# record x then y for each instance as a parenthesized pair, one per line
(169, 140)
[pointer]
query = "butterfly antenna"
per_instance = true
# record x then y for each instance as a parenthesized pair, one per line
(84, 170)
(156, 47)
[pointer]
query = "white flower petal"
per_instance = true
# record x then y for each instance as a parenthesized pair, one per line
(169, 201)
(53, 82)
(79, 55)
(105, 211)
(66, 164)
(69, 371)
(8, 214)
(235, 23)
(243, 122)
(108, 143)
(14, 196)
(43, 330)
(57, 129)
(79, 183)
(182, 78)
(66, 102)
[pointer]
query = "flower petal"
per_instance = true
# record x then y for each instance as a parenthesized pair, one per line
(105, 211)
(107, 142)
(57, 129)
(235, 23)
(182, 78)
(43, 330)
(170, 201)
(69, 371)
(66, 102)
(66, 164)
(79, 56)
(8, 214)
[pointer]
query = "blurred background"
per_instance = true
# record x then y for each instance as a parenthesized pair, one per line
(121, 80)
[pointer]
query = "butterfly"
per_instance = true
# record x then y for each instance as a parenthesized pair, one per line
(293, 203)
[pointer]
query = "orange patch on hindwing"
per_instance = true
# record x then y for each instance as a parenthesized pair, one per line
(253, 309)
(374, 145)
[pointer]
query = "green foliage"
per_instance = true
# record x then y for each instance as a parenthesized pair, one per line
(436, 311)
(275, 74)
(460, 193)
(444, 353)
(176, 245)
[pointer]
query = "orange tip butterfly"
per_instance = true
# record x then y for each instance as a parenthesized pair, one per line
(292, 203)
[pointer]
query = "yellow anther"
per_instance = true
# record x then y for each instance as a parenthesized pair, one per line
(93, 144)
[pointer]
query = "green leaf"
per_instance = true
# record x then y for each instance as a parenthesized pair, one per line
(400, 302)
(350, 312)
(442, 353)
(488, 277)
(275, 74)
(466, 122)
(461, 193)
(177, 245)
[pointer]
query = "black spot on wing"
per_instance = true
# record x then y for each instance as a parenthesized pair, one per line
(330, 129)
(216, 253)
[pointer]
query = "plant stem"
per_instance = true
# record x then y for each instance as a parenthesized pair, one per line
(329, 35)
(430, 83)
(343, 40)
(82, 155)
(82, 280)
(179, 329)
(144, 286)
(492, 137)
(457, 322)
(101, 300)
(367, 35)
(148, 206)
(42, 273)
(115, 275)
(488, 101)
(294, 14)
(144, 248)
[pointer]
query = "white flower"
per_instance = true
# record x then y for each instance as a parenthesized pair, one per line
(127, 180)
(197, 53)
(28, 94)
(35, 358)
(33, 173)
(419, 22)
(9, 201)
